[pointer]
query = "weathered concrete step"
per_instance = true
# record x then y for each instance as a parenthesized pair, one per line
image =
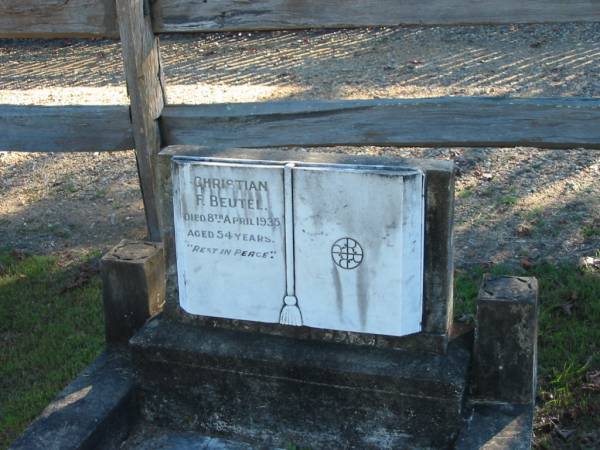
(431, 375)
(274, 390)
(148, 437)
(495, 426)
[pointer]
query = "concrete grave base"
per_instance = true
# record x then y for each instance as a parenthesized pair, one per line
(185, 386)
(105, 408)
(273, 390)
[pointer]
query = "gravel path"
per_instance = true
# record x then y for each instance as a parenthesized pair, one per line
(513, 205)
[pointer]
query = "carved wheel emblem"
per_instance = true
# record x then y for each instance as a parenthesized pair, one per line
(347, 253)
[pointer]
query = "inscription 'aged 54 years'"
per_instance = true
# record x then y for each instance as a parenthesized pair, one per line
(327, 246)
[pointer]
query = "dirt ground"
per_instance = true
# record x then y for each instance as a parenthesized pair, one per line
(518, 206)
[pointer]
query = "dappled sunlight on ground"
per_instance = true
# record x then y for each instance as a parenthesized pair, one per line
(523, 60)
(65, 96)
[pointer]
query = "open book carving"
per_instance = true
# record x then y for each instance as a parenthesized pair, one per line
(321, 245)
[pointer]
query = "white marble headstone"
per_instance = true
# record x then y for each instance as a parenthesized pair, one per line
(327, 246)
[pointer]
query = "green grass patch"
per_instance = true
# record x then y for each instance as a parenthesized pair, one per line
(51, 327)
(568, 343)
(534, 213)
(509, 200)
(590, 231)
(465, 193)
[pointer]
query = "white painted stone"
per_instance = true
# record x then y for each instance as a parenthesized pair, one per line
(328, 246)
(380, 215)
(230, 258)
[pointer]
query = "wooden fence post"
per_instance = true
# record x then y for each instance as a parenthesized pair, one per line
(141, 59)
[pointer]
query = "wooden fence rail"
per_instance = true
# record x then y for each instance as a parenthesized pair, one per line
(446, 122)
(60, 18)
(65, 128)
(202, 15)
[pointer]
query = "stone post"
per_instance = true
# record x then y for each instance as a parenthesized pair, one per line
(505, 353)
(133, 287)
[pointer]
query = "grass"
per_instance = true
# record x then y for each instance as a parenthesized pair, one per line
(509, 200)
(50, 329)
(465, 193)
(590, 231)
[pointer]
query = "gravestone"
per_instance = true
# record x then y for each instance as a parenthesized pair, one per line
(308, 304)
(308, 300)
(335, 247)
(360, 216)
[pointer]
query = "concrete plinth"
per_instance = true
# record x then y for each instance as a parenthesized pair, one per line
(133, 287)
(273, 390)
(505, 355)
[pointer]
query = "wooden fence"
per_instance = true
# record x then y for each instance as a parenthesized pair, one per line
(148, 123)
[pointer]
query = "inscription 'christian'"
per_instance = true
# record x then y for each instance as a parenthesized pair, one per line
(224, 183)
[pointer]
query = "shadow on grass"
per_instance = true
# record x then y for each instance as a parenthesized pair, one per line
(51, 327)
